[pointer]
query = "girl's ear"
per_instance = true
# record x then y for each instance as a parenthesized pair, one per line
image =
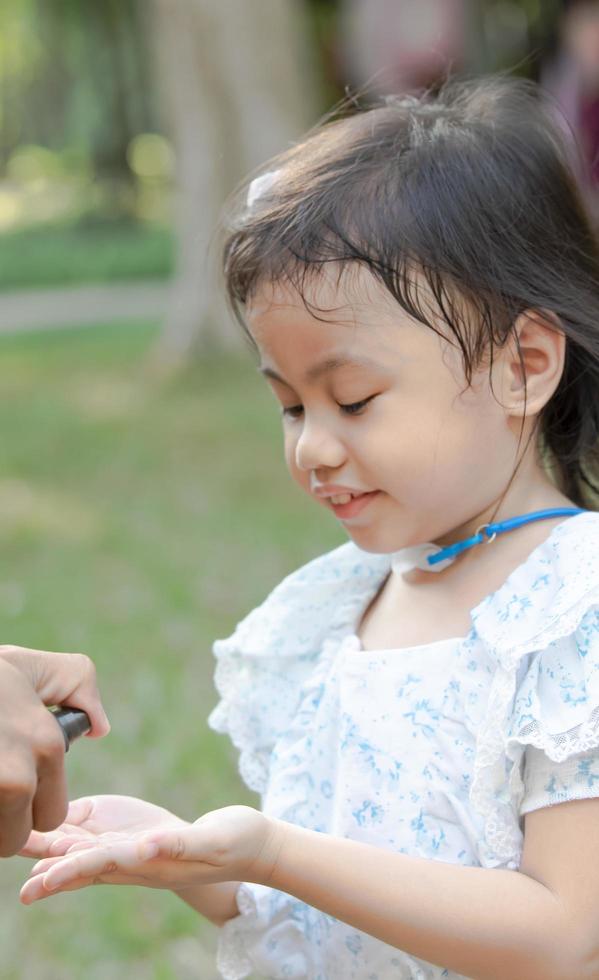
(541, 358)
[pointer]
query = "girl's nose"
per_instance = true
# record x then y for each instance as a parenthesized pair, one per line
(317, 448)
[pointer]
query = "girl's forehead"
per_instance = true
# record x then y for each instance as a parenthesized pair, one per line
(346, 308)
(350, 318)
(333, 293)
(324, 321)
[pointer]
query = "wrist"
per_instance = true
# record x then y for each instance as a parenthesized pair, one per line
(263, 871)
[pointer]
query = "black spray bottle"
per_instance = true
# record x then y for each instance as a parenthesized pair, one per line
(73, 723)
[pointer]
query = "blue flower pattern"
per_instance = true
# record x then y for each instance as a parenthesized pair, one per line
(387, 747)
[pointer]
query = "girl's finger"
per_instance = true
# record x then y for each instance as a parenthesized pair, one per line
(44, 865)
(33, 890)
(97, 861)
(75, 840)
(186, 844)
(69, 841)
(82, 841)
(79, 810)
(79, 845)
(49, 862)
(39, 845)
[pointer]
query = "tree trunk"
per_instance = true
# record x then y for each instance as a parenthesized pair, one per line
(237, 88)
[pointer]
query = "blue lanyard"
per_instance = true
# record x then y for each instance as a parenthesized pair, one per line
(492, 530)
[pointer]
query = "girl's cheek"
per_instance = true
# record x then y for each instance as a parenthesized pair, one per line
(289, 450)
(301, 477)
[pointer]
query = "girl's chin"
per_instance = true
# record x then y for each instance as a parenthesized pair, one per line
(374, 540)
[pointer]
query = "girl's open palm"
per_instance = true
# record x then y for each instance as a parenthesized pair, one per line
(94, 819)
(93, 822)
(123, 840)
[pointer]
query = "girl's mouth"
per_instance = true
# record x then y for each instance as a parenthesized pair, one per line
(352, 506)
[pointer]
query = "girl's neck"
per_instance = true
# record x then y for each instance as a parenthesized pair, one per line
(418, 607)
(522, 498)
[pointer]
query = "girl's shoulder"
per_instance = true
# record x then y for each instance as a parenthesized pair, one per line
(546, 596)
(262, 666)
(317, 600)
(540, 632)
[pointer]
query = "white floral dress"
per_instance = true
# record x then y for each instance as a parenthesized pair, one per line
(435, 751)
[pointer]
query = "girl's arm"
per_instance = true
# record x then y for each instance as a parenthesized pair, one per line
(538, 923)
(487, 924)
(215, 902)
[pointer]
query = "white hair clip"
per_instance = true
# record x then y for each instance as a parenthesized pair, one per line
(259, 185)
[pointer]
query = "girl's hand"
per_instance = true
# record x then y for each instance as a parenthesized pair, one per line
(91, 822)
(99, 819)
(121, 840)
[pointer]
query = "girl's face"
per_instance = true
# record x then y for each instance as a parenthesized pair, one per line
(375, 405)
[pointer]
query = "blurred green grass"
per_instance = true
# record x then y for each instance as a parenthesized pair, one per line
(54, 254)
(137, 523)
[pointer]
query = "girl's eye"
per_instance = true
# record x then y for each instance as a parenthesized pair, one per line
(354, 408)
(293, 411)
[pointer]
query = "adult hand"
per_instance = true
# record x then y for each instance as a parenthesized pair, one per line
(120, 840)
(33, 791)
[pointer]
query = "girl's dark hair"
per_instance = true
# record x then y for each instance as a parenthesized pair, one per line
(472, 188)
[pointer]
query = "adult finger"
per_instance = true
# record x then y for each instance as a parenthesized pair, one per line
(50, 803)
(62, 678)
(16, 816)
(71, 680)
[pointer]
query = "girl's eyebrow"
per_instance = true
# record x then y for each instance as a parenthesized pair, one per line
(325, 367)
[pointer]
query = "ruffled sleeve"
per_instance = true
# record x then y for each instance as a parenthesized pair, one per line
(556, 719)
(547, 783)
(261, 672)
(260, 668)
(541, 630)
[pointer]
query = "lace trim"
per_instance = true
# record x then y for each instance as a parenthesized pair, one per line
(232, 961)
(559, 747)
(249, 733)
(496, 802)
(231, 718)
(297, 631)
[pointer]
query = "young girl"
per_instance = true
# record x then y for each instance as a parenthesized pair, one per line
(422, 287)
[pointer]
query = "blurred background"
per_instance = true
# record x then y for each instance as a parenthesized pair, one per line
(144, 505)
